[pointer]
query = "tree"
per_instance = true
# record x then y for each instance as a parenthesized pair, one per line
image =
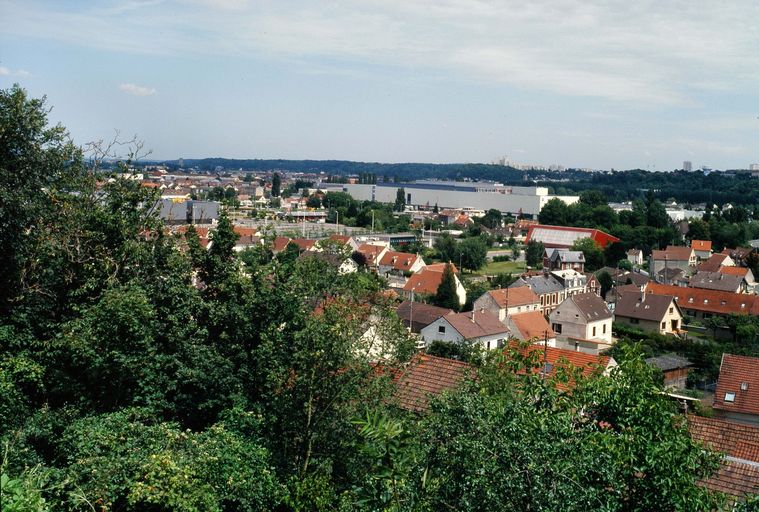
(607, 283)
(447, 248)
(614, 253)
(594, 256)
(555, 213)
(593, 198)
(446, 296)
(473, 253)
(534, 253)
(276, 184)
(492, 219)
(400, 200)
(656, 214)
(698, 230)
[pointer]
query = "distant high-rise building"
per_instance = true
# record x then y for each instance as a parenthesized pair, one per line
(687, 166)
(753, 167)
(181, 163)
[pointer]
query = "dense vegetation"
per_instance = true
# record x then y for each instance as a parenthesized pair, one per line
(141, 372)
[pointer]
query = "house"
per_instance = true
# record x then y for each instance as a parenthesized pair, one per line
(698, 303)
(702, 248)
(649, 312)
(344, 265)
(418, 315)
(738, 474)
(716, 262)
(549, 290)
(400, 263)
(279, 244)
(738, 255)
(719, 281)
(563, 259)
(582, 322)
(563, 237)
(426, 377)
(508, 301)
(305, 244)
(531, 325)
(246, 242)
(674, 368)
(372, 253)
(574, 282)
(473, 327)
(635, 256)
(683, 258)
(745, 273)
(346, 240)
(737, 395)
(427, 281)
(592, 284)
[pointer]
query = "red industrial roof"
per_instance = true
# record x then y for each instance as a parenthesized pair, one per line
(564, 236)
(739, 377)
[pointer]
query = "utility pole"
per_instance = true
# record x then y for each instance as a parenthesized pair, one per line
(545, 353)
(372, 222)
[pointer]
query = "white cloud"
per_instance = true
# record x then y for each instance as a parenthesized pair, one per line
(11, 72)
(137, 90)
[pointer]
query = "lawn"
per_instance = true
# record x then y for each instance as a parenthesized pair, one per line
(502, 267)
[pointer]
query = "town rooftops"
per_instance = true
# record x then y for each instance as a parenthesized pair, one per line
(591, 306)
(701, 245)
(398, 260)
(513, 297)
(673, 253)
(426, 377)
(531, 324)
(643, 306)
(564, 237)
(476, 324)
(716, 281)
(540, 284)
(713, 264)
(425, 281)
(734, 271)
(710, 301)
(552, 358)
(566, 256)
(279, 244)
(440, 267)
(371, 252)
(738, 385)
(667, 362)
(420, 314)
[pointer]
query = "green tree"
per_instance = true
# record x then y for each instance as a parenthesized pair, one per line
(492, 219)
(594, 256)
(447, 248)
(276, 184)
(446, 296)
(593, 198)
(698, 230)
(473, 253)
(400, 200)
(534, 253)
(554, 213)
(607, 283)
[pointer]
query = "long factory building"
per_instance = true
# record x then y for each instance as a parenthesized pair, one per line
(459, 195)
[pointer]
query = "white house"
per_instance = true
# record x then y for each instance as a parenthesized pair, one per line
(508, 301)
(583, 322)
(473, 327)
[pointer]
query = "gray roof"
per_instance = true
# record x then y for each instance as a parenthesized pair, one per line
(422, 314)
(668, 362)
(591, 305)
(568, 256)
(716, 281)
(476, 324)
(643, 306)
(539, 284)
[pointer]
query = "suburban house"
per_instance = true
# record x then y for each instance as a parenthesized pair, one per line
(675, 369)
(719, 281)
(400, 263)
(649, 312)
(425, 377)
(592, 284)
(738, 474)
(702, 248)
(683, 258)
(344, 265)
(737, 395)
(738, 255)
(531, 325)
(635, 256)
(372, 253)
(418, 315)
(574, 282)
(508, 301)
(745, 273)
(546, 286)
(562, 259)
(701, 304)
(427, 281)
(346, 240)
(473, 327)
(304, 244)
(279, 244)
(716, 262)
(582, 322)
(564, 237)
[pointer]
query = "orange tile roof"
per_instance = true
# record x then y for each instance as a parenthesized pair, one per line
(371, 252)
(710, 301)
(673, 253)
(734, 478)
(303, 244)
(280, 243)
(244, 230)
(440, 267)
(532, 324)
(701, 245)
(735, 439)
(476, 324)
(734, 271)
(427, 376)
(512, 297)
(340, 238)
(560, 358)
(399, 260)
(737, 372)
(425, 281)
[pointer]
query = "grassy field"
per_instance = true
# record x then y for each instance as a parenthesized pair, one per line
(502, 267)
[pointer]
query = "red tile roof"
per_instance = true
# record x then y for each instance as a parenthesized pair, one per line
(713, 264)
(673, 253)
(476, 324)
(701, 245)
(561, 358)
(303, 244)
(531, 324)
(371, 252)
(427, 376)
(399, 260)
(734, 271)
(244, 230)
(735, 439)
(710, 301)
(280, 243)
(735, 373)
(734, 478)
(439, 267)
(513, 297)
(425, 281)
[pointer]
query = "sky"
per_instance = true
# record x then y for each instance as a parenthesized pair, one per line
(600, 84)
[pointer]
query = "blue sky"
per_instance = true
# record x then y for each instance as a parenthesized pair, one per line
(596, 84)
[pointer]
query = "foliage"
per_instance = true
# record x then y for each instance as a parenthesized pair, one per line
(594, 256)
(446, 296)
(276, 184)
(534, 253)
(447, 248)
(473, 253)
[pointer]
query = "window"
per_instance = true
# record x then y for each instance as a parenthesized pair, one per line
(603, 329)
(556, 328)
(744, 386)
(664, 325)
(594, 331)
(671, 310)
(634, 321)
(729, 397)
(441, 329)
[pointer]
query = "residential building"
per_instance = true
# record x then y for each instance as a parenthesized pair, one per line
(702, 248)
(427, 281)
(719, 281)
(425, 377)
(745, 273)
(574, 282)
(508, 301)
(418, 315)
(683, 258)
(739, 254)
(546, 286)
(530, 326)
(635, 256)
(344, 239)
(400, 263)
(582, 322)
(737, 395)
(716, 262)
(649, 312)
(563, 259)
(564, 237)
(700, 304)
(344, 265)
(372, 253)
(473, 327)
